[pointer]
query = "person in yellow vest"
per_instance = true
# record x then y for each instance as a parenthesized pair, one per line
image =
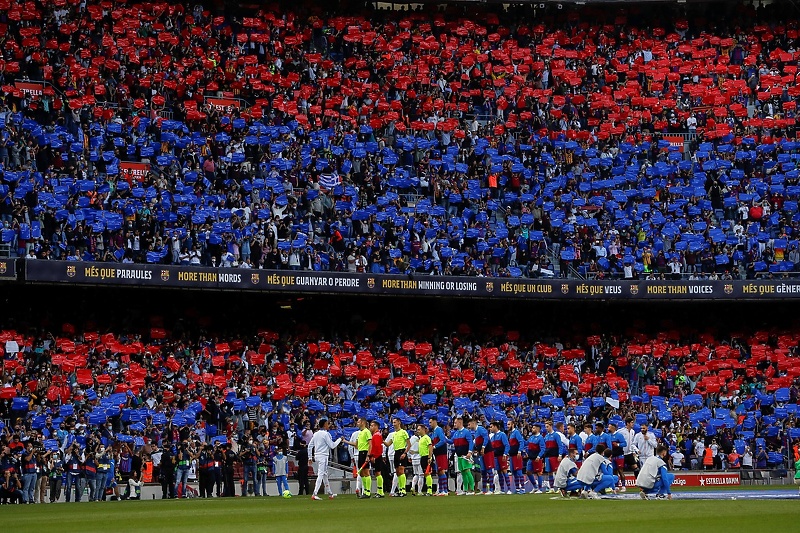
(362, 442)
(425, 445)
(401, 444)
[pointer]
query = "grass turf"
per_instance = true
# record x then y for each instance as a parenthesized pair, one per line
(479, 513)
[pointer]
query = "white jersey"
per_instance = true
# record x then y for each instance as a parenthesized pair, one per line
(628, 435)
(562, 474)
(352, 449)
(321, 444)
(413, 451)
(388, 449)
(650, 472)
(646, 444)
(590, 469)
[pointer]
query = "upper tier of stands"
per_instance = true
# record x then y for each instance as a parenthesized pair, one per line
(591, 142)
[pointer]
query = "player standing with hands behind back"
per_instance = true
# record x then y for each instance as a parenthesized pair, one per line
(401, 444)
(362, 445)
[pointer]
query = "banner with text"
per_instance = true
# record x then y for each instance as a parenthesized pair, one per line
(33, 89)
(132, 171)
(224, 105)
(369, 284)
(696, 479)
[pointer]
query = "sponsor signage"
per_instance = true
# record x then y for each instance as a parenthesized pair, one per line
(422, 285)
(225, 105)
(692, 479)
(132, 171)
(31, 88)
(674, 140)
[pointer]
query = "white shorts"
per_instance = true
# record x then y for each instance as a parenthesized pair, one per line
(322, 465)
(417, 467)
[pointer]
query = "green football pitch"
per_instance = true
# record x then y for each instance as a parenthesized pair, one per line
(347, 514)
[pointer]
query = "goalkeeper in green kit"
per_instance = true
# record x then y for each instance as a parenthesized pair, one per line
(462, 441)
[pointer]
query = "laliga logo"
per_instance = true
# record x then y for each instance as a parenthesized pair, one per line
(682, 481)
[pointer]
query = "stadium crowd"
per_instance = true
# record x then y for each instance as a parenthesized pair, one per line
(83, 408)
(461, 142)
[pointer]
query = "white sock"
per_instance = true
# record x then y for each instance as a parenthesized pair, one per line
(496, 481)
(394, 483)
(459, 482)
(414, 482)
(358, 483)
(421, 483)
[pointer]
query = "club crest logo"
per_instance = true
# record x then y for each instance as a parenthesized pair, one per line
(71, 271)
(728, 288)
(3, 267)
(564, 288)
(634, 289)
(371, 283)
(165, 275)
(489, 286)
(254, 279)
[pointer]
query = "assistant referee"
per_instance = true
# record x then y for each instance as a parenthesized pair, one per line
(401, 442)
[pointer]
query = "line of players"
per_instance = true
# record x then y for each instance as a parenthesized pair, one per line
(502, 457)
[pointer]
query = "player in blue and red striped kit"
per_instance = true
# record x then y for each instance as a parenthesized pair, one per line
(535, 464)
(575, 443)
(440, 442)
(481, 447)
(552, 447)
(499, 443)
(515, 441)
(598, 437)
(618, 444)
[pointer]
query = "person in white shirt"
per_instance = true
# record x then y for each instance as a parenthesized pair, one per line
(388, 452)
(747, 458)
(320, 449)
(645, 442)
(354, 459)
(654, 477)
(566, 480)
(677, 459)
(416, 462)
(699, 453)
(629, 451)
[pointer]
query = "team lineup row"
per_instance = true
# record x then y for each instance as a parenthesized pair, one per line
(586, 464)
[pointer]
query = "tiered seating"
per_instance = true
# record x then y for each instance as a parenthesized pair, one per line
(745, 391)
(396, 141)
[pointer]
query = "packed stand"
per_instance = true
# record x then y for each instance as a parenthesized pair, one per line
(459, 143)
(86, 411)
